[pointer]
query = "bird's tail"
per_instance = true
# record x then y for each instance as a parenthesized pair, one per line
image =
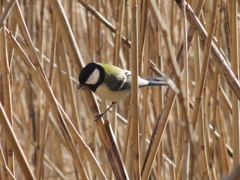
(157, 81)
(162, 81)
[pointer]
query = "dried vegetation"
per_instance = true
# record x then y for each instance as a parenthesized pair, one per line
(47, 129)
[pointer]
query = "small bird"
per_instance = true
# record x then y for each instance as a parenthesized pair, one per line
(113, 83)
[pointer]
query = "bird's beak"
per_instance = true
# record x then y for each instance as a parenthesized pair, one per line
(80, 86)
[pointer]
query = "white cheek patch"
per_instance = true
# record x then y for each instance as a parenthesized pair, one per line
(93, 78)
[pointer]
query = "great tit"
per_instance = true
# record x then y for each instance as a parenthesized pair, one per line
(113, 83)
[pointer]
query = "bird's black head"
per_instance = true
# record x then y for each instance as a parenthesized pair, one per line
(92, 75)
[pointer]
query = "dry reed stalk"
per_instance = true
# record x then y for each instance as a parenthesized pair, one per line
(36, 70)
(143, 21)
(45, 87)
(158, 99)
(225, 99)
(216, 97)
(201, 82)
(7, 9)
(13, 26)
(222, 141)
(103, 20)
(171, 96)
(69, 90)
(6, 99)
(159, 160)
(118, 33)
(143, 121)
(14, 144)
(212, 121)
(56, 169)
(184, 151)
(171, 157)
(176, 70)
(40, 34)
(67, 35)
(36, 122)
(97, 36)
(202, 144)
(154, 68)
(104, 130)
(32, 68)
(44, 126)
(233, 82)
(148, 160)
(133, 154)
(7, 173)
(185, 56)
(234, 57)
(117, 48)
(180, 144)
(85, 149)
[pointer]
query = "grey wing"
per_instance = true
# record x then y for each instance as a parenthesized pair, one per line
(115, 83)
(128, 82)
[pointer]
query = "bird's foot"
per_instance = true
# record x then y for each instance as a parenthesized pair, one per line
(99, 116)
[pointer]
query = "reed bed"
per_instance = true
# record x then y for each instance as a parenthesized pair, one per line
(47, 125)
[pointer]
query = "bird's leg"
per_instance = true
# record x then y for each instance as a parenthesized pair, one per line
(102, 114)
